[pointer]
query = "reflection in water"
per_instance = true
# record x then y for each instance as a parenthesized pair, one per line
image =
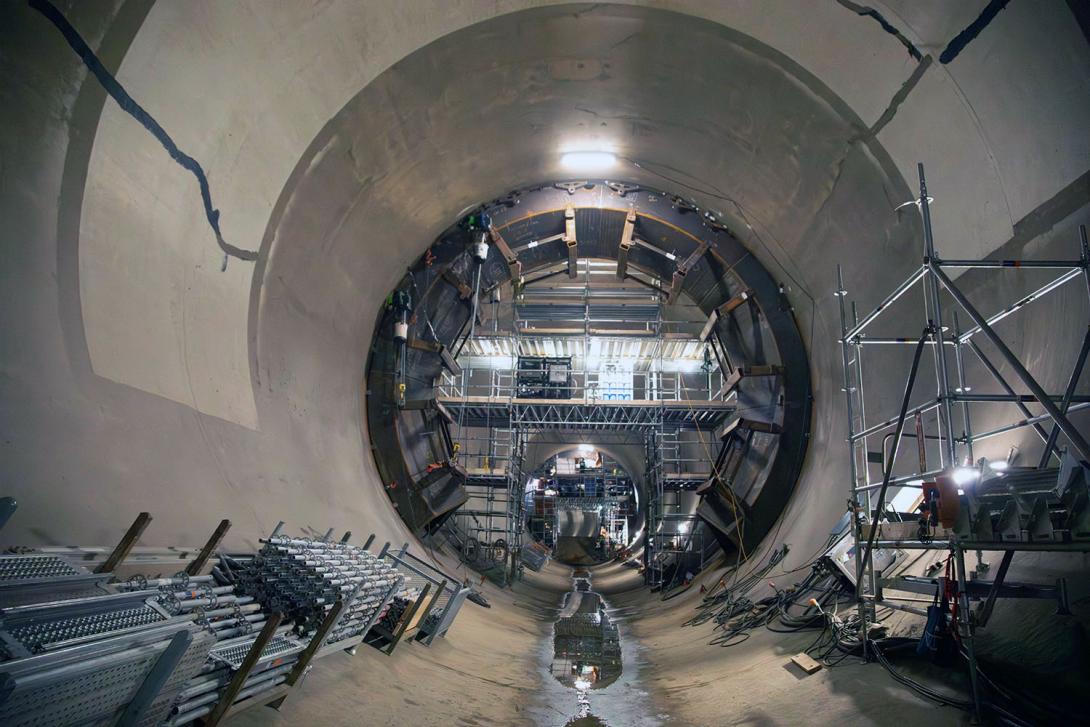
(586, 646)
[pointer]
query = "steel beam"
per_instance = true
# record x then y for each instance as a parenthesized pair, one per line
(625, 244)
(1065, 425)
(571, 242)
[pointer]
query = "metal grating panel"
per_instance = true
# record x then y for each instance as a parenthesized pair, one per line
(278, 646)
(36, 634)
(30, 567)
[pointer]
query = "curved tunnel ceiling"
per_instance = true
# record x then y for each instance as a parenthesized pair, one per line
(367, 186)
(793, 142)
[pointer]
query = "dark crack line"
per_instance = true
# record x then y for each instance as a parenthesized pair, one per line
(131, 107)
(870, 12)
(901, 95)
(962, 39)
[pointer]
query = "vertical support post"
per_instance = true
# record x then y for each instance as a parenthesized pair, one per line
(966, 624)
(346, 537)
(128, 540)
(1084, 255)
(195, 567)
(230, 693)
(571, 242)
(156, 678)
(861, 398)
(934, 296)
(963, 388)
(853, 484)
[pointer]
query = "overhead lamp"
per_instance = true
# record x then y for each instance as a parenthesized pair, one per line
(965, 475)
(586, 447)
(999, 465)
(588, 161)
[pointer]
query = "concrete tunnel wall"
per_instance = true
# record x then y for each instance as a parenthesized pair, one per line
(339, 141)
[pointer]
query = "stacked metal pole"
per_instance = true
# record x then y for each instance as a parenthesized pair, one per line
(303, 578)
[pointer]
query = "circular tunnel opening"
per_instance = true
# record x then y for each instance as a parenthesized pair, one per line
(588, 314)
(582, 505)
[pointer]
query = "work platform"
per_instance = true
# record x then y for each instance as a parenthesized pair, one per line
(592, 414)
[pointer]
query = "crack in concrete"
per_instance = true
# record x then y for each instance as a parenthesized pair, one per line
(870, 12)
(971, 31)
(901, 95)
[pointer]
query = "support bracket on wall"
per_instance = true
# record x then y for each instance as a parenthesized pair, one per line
(683, 270)
(626, 244)
(509, 256)
(571, 242)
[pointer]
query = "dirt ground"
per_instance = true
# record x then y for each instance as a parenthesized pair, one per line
(493, 669)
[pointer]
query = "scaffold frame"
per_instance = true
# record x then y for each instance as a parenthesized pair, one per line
(943, 336)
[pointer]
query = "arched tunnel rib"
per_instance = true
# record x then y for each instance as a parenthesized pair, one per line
(345, 140)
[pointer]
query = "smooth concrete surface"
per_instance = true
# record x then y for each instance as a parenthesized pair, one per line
(341, 138)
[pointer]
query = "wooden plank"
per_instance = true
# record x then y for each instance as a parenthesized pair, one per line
(198, 563)
(807, 664)
(316, 642)
(725, 309)
(422, 345)
(128, 540)
(238, 681)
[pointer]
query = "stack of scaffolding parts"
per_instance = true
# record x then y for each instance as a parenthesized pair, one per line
(82, 647)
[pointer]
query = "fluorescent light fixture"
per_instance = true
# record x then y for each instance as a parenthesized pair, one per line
(671, 256)
(588, 161)
(965, 475)
(999, 465)
(586, 447)
(914, 483)
(683, 527)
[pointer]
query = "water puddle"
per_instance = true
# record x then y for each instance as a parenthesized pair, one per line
(591, 687)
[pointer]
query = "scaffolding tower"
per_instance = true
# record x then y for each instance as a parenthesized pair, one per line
(1039, 508)
(493, 403)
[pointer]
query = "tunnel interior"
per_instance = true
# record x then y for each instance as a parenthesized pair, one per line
(576, 308)
(309, 308)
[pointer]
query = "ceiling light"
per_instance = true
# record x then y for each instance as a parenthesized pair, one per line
(588, 161)
(965, 475)
(586, 447)
(998, 465)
